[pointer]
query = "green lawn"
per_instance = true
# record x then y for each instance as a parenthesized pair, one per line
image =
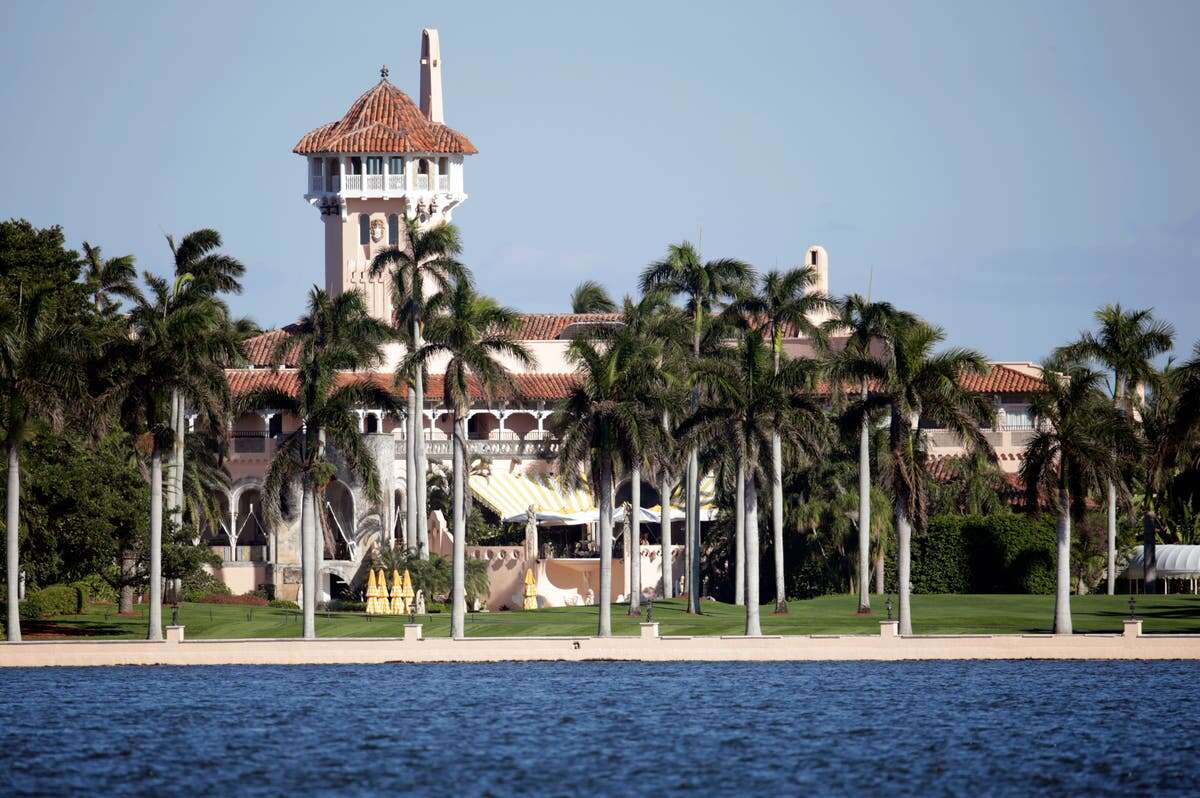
(936, 614)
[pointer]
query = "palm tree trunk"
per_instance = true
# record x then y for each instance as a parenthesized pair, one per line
(410, 469)
(750, 497)
(177, 473)
(694, 537)
(604, 596)
(864, 517)
(664, 523)
(879, 566)
(1112, 538)
(125, 605)
(422, 463)
(1149, 552)
(781, 606)
(739, 531)
(13, 520)
(156, 519)
(1062, 587)
(308, 534)
(904, 567)
(458, 601)
(634, 552)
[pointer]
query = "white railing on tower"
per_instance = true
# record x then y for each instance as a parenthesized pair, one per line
(353, 183)
(374, 182)
(395, 182)
(443, 182)
(422, 183)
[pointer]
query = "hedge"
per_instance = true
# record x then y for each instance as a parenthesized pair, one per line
(1003, 553)
(51, 601)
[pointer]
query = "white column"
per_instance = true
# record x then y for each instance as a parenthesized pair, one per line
(386, 169)
(362, 416)
(233, 536)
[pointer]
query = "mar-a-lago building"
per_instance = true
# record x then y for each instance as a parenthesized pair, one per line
(385, 160)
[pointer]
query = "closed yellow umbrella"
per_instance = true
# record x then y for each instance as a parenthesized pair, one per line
(530, 590)
(382, 607)
(399, 605)
(372, 592)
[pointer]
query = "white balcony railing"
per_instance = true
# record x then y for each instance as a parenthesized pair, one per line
(353, 183)
(422, 183)
(443, 182)
(395, 182)
(374, 182)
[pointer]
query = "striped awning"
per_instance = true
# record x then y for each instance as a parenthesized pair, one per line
(510, 494)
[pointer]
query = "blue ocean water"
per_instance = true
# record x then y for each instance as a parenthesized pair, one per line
(928, 728)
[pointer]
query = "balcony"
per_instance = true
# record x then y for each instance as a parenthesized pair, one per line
(545, 449)
(443, 182)
(376, 185)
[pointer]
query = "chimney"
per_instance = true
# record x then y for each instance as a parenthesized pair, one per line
(431, 76)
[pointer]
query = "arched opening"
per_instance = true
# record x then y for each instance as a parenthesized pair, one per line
(338, 518)
(371, 423)
(480, 425)
(253, 541)
(216, 537)
(649, 496)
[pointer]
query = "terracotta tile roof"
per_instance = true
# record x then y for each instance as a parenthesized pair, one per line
(1002, 379)
(384, 119)
(260, 348)
(549, 326)
(533, 387)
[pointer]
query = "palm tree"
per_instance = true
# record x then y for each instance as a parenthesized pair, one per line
(747, 400)
(784, 305)
(867, 327)
(590, 297)
(210, 273)
(39, 377)
(971, 484)
(177, 345)
(107, 278)
(428, 258)
(915, 383)
(479, 337)
(1079, 432)
(605, 426)
(1125, 343)
(703, 285)
(336, 336)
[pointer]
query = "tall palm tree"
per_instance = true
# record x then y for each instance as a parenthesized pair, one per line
(1079, 432)
(479, 336)
(590, 297)
(746, 399)
(335, 337)
(428, 259)
(916, 383)
(106, 278)
(604, 426)
(177, 345)
(1125, 343)
(39, 375)
(785, 304)
(703, 286)
(867, 327)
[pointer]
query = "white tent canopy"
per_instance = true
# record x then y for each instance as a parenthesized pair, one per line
(1172, 561)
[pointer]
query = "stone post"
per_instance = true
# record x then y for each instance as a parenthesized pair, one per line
(412, 632)
(649, 630)
(174, 634)
(889, 628)
(1133, 628)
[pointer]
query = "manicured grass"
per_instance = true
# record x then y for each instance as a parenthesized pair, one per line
(934, 614)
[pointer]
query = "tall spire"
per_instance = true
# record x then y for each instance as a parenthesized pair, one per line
(431, 76)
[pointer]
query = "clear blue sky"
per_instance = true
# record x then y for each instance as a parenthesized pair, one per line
(1003, 167)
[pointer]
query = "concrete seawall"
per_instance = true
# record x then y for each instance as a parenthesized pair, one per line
(648, 648)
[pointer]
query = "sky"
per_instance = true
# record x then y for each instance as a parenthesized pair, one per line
(1002, 169)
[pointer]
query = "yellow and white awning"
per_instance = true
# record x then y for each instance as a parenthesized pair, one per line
(511, 495)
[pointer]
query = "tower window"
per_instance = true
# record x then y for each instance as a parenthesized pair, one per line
(396, 165)
(315, 166)
(814, 257)
(375, 165)
(356, 165)
(443, 166)
(393, 230)
(423, 166)
(275, 425)
(364, 229)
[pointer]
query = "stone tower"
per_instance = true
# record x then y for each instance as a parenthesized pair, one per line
(817, 260)
(384, 161)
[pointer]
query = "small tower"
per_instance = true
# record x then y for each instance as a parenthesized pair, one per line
(817, 259)
(384, 161)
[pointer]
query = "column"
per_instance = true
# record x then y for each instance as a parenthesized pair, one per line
(502, 415)
(233, 529)
(362, 416)
(386, 169)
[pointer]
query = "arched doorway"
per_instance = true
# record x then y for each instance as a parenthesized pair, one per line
(338, 520)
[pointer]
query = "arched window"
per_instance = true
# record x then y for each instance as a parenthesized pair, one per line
(364, 229)
(394, 230)
(372, 423)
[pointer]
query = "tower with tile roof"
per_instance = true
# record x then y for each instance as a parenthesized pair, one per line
(385, 160)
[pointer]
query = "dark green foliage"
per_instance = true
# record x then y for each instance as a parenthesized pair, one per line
(340, 605)
(283, 604)
(1003, 553)
(246, 599)
(51, 601)
(200, 584)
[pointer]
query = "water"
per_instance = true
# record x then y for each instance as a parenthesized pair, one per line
(940, 728)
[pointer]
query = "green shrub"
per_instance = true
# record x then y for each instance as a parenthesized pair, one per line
(51, 601)
(96, 590)
(339, 605)
(248, 599)
(202, 584)
(1002, 553)
(283, 604)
